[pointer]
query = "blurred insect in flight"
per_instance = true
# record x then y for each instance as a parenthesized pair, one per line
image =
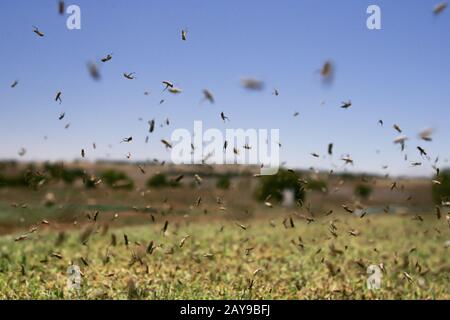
(151, 123)
(37, 31)
(208, 95)
(346, 104)
(58, 97)
(93, 71)
(166, 143)
(439, 8)
(129, 76)
(61, 7)
(327, 72)
(175, 90)
(107, 58)
(252, 84)
(129, 139)
(224, 118)
(167, 84)
(22, 152)
(184, 34)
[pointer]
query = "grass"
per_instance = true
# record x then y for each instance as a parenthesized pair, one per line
(219, 260)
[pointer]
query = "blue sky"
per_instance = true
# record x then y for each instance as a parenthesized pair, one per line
(399, 74)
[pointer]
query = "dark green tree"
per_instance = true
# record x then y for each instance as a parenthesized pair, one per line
(363, 191)
(274, 185)
(117, 179)
(223, 182)
(441, 192)
(159, 180)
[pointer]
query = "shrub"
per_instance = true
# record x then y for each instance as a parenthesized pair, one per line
(275, 184)
(223, 182)
(33, 178)
(160, 180)
(13, 181)
(363, 191)
(59, 172)
(442, 192)
(89, 181)
(317, 185)
(70, 175)
(54, 170)
(117, 179)
(347, 176)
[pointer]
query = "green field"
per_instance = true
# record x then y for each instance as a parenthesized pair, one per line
(261, 258)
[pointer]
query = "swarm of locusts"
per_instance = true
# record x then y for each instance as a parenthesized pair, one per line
(285, 257)
(205, 250)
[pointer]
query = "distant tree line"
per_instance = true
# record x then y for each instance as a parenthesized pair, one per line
(273, 186)
(31, 176)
